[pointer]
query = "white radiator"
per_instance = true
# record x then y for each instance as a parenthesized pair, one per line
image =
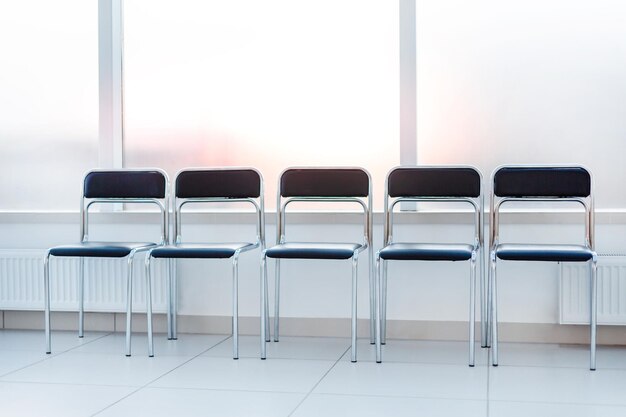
(21, 283)
(574, 291)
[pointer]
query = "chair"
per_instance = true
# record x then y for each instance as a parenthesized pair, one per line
(215, 185)
(319, 185)
(532, 184)
(110, 186)
(449, 184)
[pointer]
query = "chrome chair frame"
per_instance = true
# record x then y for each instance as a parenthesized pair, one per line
(281, 204)
(477, 254)
(496, 202)
(172, 283)
(85, 205)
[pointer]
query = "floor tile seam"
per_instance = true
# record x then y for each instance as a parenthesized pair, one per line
(579, 368)
(269, 359)
(319, 381)
(337, 394)
(577, 404)
(82, 384)
(463, 364)
(159, 377)
(165, 388)
(45, 358)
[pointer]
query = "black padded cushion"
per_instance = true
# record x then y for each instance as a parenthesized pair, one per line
(542, 182)
(99, 249)
(434, 182)
(124, 184)
(550, 253)
(427, 252)
(199, 250)
(324, 182)
(313, 250)
(227, 183)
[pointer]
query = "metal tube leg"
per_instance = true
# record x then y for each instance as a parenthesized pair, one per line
(81, 298)
(277, 300)
(472, 307)
(46, 286)
(489, 305)
(483, 301)
(378, 345)
(236, 308)
(149, 306)
(174, 273)
(383, 306)
(355, 263)
(129, 302)
(593, 312)
(494, 312)
(264, 303)
(372, 288)
(170, 334)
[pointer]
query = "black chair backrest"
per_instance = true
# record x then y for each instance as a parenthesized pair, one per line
(218, 183)
(548, 182)
(434, 182)
(125, 184)
(324, 182)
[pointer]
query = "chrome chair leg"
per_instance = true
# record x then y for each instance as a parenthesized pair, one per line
(383, 306)
(494, 312)
(372, 289)
(277, 300)
(264, 304)
(355, 263)
(593, 312)
(170, 334)
(489, 304)
(173, 267)
(378, 279)
(46, 286)
(149, 307)
(236, 308)
(129, 301)
(484, 341)
(81, 298)
(472, 308)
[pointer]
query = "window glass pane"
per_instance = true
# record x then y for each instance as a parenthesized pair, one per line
(268, 84)
(48, 101)
(522, 81)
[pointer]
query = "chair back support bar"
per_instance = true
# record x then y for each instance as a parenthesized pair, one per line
(320, 184)
(542, 184)
(125, 186)
(219, 185)
(450, 184)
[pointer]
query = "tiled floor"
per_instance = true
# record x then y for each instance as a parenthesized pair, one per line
(196, 376)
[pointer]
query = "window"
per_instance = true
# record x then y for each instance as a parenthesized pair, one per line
(268, 84)
(524, 82)
(48, 101)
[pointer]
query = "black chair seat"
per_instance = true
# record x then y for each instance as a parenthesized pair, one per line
(200, 250)
(313, 250)
(427, 252)
(99, 249)
(550, 253)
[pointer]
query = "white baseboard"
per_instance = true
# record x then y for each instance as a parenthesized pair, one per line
(323, 327)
